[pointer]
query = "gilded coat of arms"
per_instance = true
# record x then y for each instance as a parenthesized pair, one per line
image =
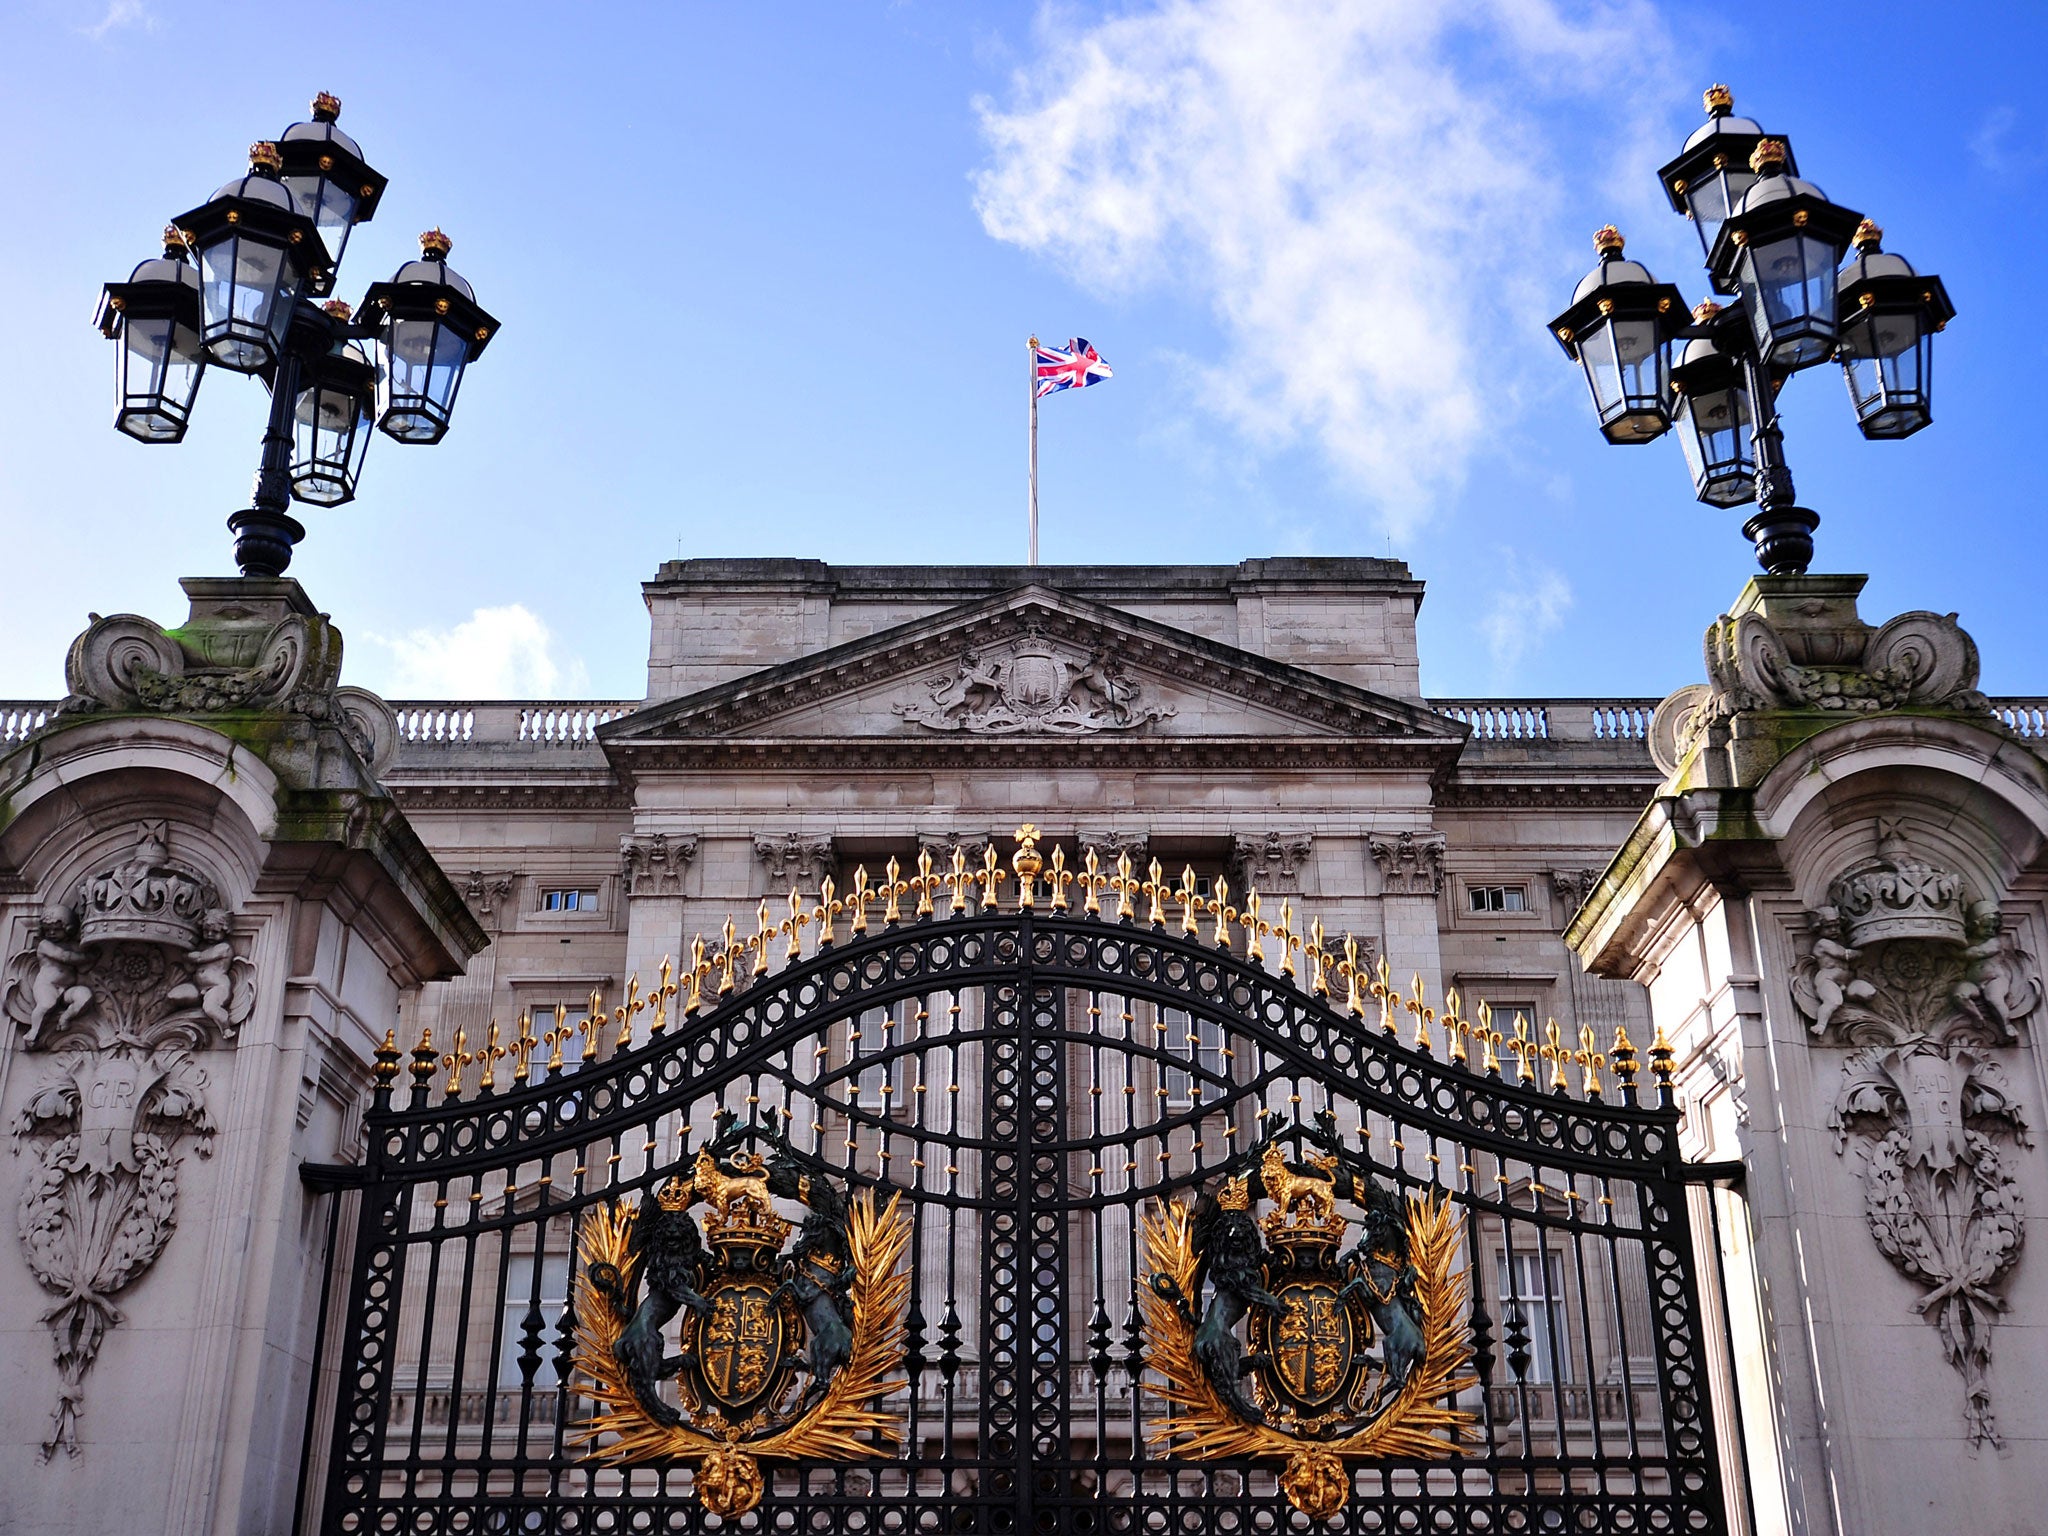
(1276, 1342)
(781, 1347)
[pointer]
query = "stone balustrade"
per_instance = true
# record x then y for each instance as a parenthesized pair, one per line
(574, 723)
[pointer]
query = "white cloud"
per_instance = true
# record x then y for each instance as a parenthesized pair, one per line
(120, 14)
(1525, 603)
(1354, 190)
(496, 653)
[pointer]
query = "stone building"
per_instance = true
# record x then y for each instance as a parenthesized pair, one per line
(1262, 723)
(1775, 1287)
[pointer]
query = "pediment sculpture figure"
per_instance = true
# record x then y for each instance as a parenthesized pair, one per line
(1033, 685)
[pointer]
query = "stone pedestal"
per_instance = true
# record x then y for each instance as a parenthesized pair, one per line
(209, 911)
(1837, 902)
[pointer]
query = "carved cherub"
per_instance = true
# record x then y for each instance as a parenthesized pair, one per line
(1831, 971)
(212, 985)
(1993, 989)
(55, 987)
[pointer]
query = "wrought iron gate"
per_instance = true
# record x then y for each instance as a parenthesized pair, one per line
(1048, 1089)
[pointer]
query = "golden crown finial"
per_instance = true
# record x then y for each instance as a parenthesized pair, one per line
(326, 107)
(1235, 1195)
(264, 155)
(434, 245)
(1607, 240)
(1869, 237)
(1769, 155)
(1718, 99)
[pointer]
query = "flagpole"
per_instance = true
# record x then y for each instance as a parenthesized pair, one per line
(1031, 388)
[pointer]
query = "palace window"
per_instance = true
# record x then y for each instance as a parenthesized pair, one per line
(523, 1303)
(1498, 898)
(1532, 1287)
(568, 899)
(879, 1087)
(1199, 1041)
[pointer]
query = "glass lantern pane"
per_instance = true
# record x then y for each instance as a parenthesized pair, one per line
(1714, 431)
(1603, 372)
(1709, 200)
(451, 352)
(406, 406)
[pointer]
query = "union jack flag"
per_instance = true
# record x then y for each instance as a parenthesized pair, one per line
(1076, 368)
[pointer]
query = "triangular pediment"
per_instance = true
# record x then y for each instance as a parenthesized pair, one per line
(1032, 665)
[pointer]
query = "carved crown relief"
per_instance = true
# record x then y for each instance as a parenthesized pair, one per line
(1034, 684)
(1411, 863)
(122, 987)
(1923, 983)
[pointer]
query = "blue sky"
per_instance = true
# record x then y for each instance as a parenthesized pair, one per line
(765, 274)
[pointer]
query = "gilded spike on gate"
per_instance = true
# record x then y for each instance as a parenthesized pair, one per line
(695, 997)
(923, 883)
(1623, 1054)
(1553, 1047)
(796, 926)
(1091, 886)
(958, 878)
(1318, 984)
(727, 979)
(857, 903)
(892, 910)
(761, 938)
(557, 1038)
(828, 908)
(593, 1027)
(424, 1056)
(1221, 936)
(663, 991)
(1190, 903)
(623, 1014)
(1590, 1062)
(990, 877)
(1124, 905)
(1155, 891)
(490, 1056)
(1285, 934)
(1663, 1061)
(1250, 918)
(455, 1061)
(523, 1048)
(1058, 880)
(1524, 1047)
(1354, 1001)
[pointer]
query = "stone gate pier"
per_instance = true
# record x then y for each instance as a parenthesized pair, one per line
(209, 910)
(1836, 900)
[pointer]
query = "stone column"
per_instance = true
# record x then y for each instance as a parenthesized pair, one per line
(1836, 900)
(209, 912)
(1411, 866)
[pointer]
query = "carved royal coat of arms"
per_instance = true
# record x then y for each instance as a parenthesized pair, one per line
(1303, 1352)
(781, 1348)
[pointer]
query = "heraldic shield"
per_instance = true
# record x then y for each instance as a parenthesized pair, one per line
(1304, 1351)
(781, 1348)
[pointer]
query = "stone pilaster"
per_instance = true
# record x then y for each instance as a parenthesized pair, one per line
(212, 912)
(1836, 901)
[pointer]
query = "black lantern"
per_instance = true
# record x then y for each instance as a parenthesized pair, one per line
(1710, 404)
(1888, 315)
(1710, 175)
(429, 327)
(330, 183)
(1619, 329)
(155, 318)
(1781, 245)
(255, 249)
(331, 421)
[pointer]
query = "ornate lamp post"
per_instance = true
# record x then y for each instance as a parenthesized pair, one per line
(267, 246)
(1776, 245)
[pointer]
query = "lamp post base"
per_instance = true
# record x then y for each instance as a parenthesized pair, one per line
(1784, 539)
(264, 540)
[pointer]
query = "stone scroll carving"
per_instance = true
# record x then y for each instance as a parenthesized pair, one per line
(264, 660)
(1033, 685)
(653, 865)
(1918, 660)
(126, 982)
(794, 860)
(1272, 864)
(1924, 985)
(1411, 863)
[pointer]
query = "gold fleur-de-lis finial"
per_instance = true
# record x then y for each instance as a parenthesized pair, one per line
(892, 911)
(923, 883)
(523, 1048)
(857, 903)
(1091, 887)
(1059, 878)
